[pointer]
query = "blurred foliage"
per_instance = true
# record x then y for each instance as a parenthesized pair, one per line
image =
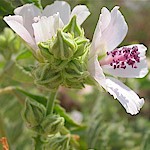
(106, 124)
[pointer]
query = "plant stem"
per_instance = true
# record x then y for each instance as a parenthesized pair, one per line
(38, 144)
(50, 103)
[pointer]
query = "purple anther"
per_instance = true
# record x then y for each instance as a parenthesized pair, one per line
(123, 57)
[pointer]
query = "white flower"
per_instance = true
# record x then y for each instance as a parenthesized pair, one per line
(127, 61)
(34, 25)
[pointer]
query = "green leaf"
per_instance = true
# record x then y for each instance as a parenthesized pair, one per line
(5, 7)
(25, 54)
(38, 98)
(23, 65)
(61, 111)
(16, 73)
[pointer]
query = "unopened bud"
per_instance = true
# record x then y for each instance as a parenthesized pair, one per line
(59, 142)
(34, 113)
(44, 50)
(75, 74)
(46, 76)
(52, 124)
(82, 46)
(63, 46)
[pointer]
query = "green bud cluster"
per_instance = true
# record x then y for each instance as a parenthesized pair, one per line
(59, 142)
(35, 116)
(52, 124)
(64, 59)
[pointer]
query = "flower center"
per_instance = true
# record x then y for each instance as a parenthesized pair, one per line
(120, 58)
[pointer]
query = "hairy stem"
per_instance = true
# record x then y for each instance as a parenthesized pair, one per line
(38, 144)
(50, 103)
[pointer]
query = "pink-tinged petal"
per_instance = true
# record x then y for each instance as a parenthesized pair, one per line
(28, 12)
(96, 71)
(127, 97)
(129, 72)
(58, 6)
(45, 28)
(16, 23)
(82, 12)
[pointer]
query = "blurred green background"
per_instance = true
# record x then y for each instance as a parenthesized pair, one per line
(109, 127)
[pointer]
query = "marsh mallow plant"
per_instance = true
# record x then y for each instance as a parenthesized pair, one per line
(67, 58)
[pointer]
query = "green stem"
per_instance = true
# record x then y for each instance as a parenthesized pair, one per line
(50, 103)
(38, 144)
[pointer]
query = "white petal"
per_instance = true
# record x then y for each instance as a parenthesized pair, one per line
(82, 12)
(111, 35)
(128, 98)
(16, 23)
(58, 6)
(28, 12)
(58, 24)
(43, 30)
(95, 47)
(105, 18)
(116, 31)
(46, 28)
(110, 31)
(129, 72)
(96, 71)
(103, 22)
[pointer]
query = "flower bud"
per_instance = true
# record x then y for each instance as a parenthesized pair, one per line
(59, 142)
(74, 28)
(75, 73)
(34, 113)
(63, 46)
(52, 124)
(82, 46)
(44, 50)
(46, 76)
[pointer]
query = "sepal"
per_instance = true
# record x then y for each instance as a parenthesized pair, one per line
(83, 46)
(73, 28)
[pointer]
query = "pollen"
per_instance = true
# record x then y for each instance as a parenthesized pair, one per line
(127, 56)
